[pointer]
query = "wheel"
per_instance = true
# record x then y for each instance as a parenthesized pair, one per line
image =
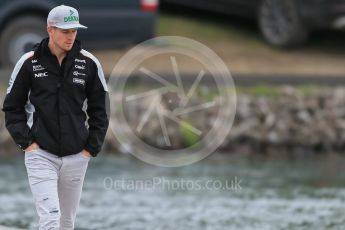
(19, 37)
(280, 23)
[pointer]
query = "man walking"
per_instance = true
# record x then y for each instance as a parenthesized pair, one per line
(52, 90)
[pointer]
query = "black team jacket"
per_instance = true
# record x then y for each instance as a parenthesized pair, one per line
(61, 108)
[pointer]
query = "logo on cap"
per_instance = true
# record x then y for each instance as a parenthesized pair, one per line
(71, 18)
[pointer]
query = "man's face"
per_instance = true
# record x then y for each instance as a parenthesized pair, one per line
(62, 38)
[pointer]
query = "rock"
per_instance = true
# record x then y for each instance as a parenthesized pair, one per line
(312, 121)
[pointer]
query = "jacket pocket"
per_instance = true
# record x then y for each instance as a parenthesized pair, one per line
(32, 151)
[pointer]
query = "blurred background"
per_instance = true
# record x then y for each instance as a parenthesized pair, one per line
(284, 154)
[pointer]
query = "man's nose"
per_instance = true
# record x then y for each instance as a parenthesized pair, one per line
(70, 36)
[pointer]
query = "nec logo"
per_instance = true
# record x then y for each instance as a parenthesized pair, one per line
(45, 74)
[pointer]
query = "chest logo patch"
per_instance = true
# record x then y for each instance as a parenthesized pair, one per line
(82, 67)
(39, 75)
(79, 81)
(37, 68)
(76, 73)
(80, 60)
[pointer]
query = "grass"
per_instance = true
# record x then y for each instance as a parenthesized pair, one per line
(275, 91)
(205, 30)
(214, 28)
(189, 137)
(239, 43)
(260, 90)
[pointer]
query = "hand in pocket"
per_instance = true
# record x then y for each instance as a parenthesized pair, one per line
(32, 147)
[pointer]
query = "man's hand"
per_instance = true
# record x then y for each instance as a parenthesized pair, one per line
(33, 146)
(86, 153)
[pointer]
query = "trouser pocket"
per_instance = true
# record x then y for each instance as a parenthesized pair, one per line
(83, 156)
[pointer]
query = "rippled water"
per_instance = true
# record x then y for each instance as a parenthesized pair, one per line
(303, 194)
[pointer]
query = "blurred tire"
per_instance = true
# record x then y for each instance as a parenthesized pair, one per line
(19, 36)
(280, 23)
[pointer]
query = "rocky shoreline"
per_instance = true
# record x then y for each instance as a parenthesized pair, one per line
(289, 120)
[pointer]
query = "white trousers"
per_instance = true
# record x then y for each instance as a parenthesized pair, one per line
(56, 185)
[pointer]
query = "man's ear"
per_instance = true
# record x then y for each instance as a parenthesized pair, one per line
(49, 29)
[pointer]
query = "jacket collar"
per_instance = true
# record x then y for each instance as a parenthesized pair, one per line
(49, 61)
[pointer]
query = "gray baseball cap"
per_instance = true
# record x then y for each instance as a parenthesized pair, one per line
(64, 17)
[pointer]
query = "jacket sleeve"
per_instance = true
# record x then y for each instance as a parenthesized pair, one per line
(97, 99)
(14, 105)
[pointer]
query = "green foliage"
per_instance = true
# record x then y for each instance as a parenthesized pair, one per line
(189, 137)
